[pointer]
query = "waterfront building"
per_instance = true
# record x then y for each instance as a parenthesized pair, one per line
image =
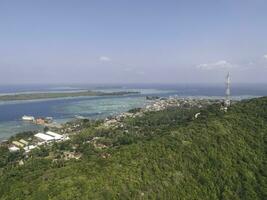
(40, 121)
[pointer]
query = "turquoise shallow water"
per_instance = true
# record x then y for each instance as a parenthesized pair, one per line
(65, 109)
(10, 128)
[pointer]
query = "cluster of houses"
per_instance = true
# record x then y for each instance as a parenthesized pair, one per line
(111, 122)
(158, 105)
(165, 103)
(162, 104)
(72, 126)
(38, 140)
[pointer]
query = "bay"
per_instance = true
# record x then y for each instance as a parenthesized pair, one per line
(65, 109)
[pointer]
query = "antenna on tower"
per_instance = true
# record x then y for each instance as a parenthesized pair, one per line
(227, 100)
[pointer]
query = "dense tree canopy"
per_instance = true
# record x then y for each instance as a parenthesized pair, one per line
(162, 155)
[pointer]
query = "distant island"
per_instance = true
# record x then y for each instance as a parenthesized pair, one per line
(46, 95)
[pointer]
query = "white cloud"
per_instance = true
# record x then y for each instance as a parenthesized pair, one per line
(104, 59)
(265, 56)
(221, 64)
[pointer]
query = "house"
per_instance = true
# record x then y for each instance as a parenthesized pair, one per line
(24, 142)
(40, 121)
(13, 149)
(29, 148)
(18, 144)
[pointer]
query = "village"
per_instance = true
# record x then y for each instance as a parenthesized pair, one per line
(64, 132)
(159, 105)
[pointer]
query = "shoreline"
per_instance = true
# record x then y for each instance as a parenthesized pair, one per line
(180, 98)
(152, 105)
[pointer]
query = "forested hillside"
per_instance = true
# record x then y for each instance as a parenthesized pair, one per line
(163, 155)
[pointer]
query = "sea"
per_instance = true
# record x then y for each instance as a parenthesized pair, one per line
(95, 107)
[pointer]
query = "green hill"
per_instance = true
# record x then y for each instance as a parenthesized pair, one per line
(162, 155)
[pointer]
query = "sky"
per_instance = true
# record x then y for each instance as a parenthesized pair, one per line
(132, 41)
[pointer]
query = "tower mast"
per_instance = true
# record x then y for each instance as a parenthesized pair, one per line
(227, 90)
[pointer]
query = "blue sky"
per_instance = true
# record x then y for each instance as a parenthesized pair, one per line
(132, 41)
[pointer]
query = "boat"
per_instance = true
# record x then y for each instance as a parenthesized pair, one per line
(27, 118)
(79, 117)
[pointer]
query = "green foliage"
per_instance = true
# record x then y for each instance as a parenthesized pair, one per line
(22, 135)
(63, 146)
(46, 129)
(134, 110)
(162, 155)
(40, 152)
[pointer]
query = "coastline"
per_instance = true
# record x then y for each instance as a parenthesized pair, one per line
(191, 98)
(151, 106)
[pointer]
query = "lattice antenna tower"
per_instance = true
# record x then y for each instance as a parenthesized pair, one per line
(227, 90)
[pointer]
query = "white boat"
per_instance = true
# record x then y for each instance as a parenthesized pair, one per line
(27, 118)
(79, 117)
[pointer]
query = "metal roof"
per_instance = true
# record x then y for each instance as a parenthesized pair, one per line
(44, 136)
(55, 135)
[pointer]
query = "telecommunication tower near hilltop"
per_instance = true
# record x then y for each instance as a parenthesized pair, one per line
(227, 100)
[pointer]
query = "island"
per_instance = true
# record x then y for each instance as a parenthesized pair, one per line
(171, 149)
(50, 95)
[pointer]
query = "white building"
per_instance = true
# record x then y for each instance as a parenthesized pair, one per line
(13, 149)
(49, 136)
(23, 142)
(55, 135)
(44, 137)
(29, 148)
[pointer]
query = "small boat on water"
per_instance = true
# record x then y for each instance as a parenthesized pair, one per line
(79, 117)
(27, 118)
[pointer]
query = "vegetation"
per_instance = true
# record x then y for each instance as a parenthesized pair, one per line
(34, 96)
(161, 155)
(22, 135)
